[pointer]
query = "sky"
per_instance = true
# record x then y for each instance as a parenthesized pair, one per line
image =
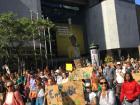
(137, 2)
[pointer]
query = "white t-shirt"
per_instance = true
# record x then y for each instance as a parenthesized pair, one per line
(59, 79)
(92, 95)
(120, 78)
(9, 98)
(109, 99)
(41, 93)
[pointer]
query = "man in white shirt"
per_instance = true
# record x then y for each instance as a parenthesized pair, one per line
(58, 77)
(120, 79)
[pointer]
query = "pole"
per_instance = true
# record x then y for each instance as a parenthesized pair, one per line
(41, 50)
(40, 45)
(46, 52)
(34, 40)
(50, 44)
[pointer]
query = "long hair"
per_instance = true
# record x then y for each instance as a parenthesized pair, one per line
(131, 77)
(105, 80)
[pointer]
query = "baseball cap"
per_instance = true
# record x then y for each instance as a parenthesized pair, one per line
(118, 63)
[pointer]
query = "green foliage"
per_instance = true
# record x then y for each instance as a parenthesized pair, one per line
(108, 59)
(13, 29)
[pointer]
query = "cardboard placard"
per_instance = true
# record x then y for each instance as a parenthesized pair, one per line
(53, 96)
(81, 73)
(70, 93)
(136, 76)
(68, 67)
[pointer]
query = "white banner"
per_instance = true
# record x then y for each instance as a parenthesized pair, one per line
(94, 56)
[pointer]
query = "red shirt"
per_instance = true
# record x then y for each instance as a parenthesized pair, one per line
(139, 88)
(130, 90)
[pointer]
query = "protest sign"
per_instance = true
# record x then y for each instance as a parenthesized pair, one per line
(53, 96)
(69, 67)
(81, 73)
(136, 76)
(70, 93)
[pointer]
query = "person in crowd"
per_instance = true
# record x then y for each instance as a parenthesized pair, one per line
(13, 97)
(40, 95)
(52, 73)
(21, 87)
(13, 78)
(38, 80)
(139, 69)
(136, 67)
(100, 72)
(87, 90)
(46, 73)
(129, 90)
(59, 77)
(41, 74)
(109, 73)
(27, 78)
(51, 81)
(5, 79)
(64, 78)
(129, 67)
(33, 90)
(119, 79)
(105, 96)
(92, 98)
(2, 90)
(94, 82)
(27, 84)
(32, 82)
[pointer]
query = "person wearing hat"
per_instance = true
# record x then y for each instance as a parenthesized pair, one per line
(59, 77)
(87, 90)
(119, 79)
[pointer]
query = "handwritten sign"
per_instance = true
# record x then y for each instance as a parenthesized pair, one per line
(70, 93)
(69, 67)
(53, 96)
(136, 76)
(81, 73)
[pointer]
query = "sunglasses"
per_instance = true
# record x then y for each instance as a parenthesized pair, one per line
(103, 83)
(9, 86)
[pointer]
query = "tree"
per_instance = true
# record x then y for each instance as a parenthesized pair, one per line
(19, 30)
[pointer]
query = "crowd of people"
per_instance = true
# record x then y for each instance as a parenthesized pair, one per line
(110, 84)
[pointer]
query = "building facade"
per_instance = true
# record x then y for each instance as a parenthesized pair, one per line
(22, 8)
(112, 24)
